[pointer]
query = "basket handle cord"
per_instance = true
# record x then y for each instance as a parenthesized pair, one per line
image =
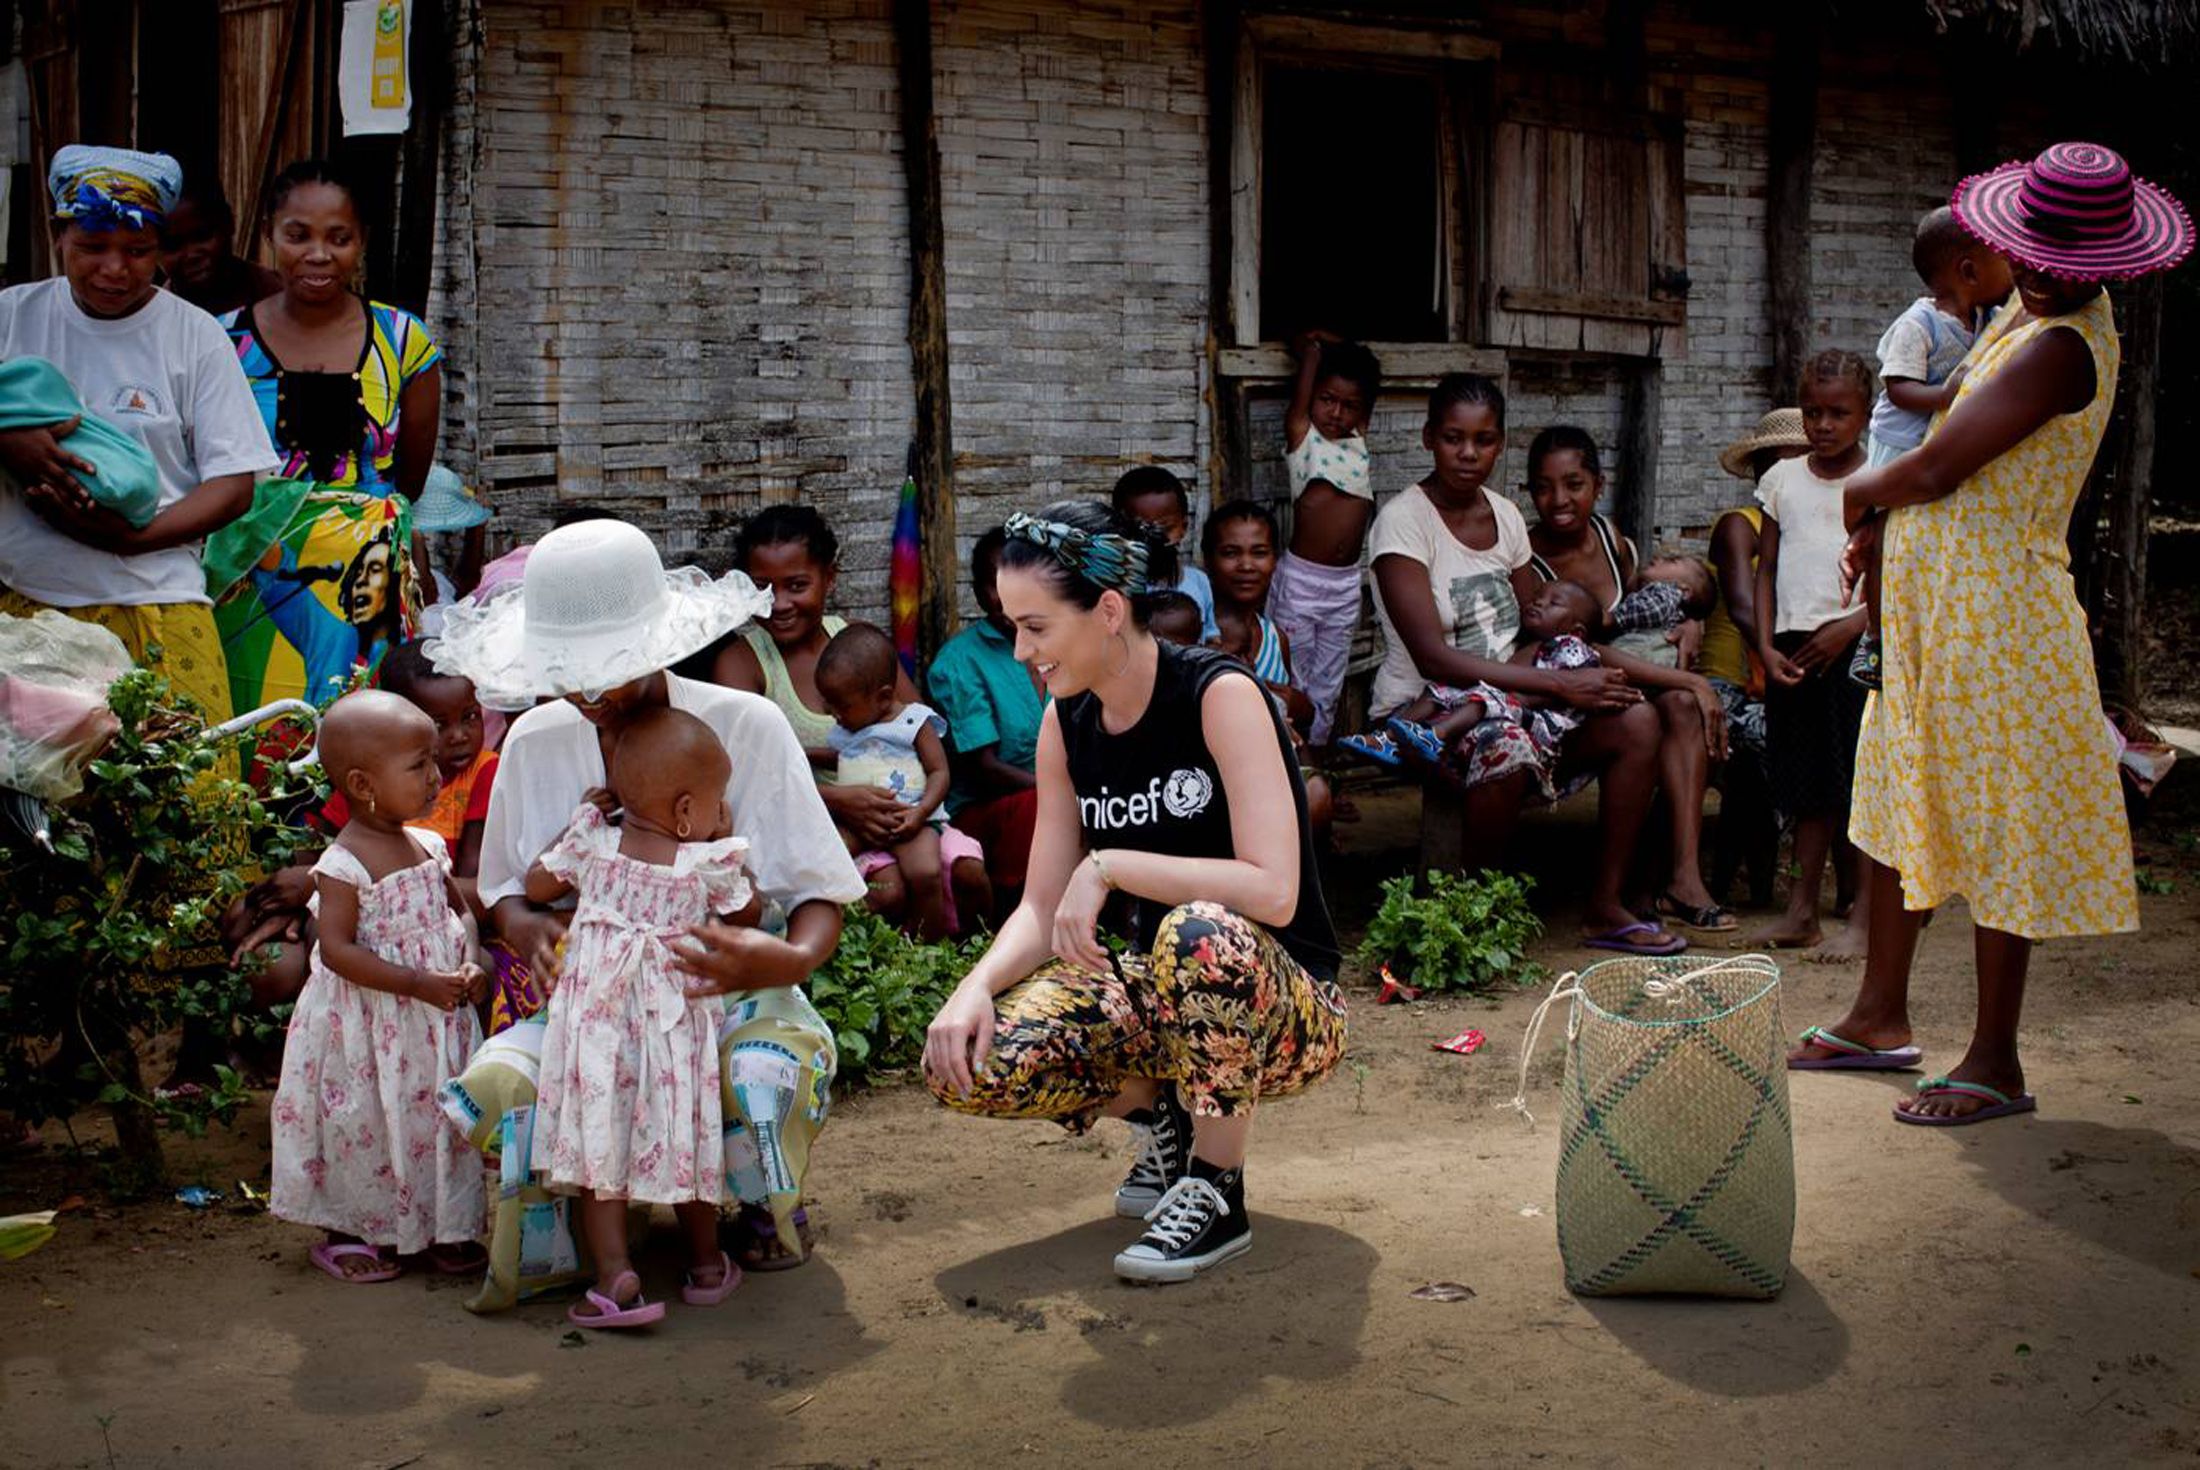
(1568, 987)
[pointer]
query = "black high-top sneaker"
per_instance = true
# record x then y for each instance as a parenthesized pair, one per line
(1200, 1222)
(1164, 1135)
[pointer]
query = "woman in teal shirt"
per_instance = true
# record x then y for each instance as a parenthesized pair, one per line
(992, 706)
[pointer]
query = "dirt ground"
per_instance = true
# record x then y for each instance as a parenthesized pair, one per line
(2026, 1292)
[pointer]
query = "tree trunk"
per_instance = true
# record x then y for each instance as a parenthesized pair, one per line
(143, 1166)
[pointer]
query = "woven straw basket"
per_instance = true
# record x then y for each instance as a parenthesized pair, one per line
(1676, 1166)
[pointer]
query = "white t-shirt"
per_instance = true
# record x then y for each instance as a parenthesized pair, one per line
(551, 759)
(1473, 589)
(167, 376)
(1806, 587)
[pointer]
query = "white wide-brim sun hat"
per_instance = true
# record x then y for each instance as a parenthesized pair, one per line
(594, 609)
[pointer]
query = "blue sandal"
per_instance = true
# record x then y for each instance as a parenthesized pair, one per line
(1378, 747)
(1426, 742)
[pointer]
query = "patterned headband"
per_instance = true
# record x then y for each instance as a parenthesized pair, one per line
(113, 188)
(1099, 557)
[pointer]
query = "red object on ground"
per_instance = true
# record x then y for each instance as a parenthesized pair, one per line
(1395, 990)
(1465, 1044)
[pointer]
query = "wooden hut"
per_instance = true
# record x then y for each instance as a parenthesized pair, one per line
(696, 255)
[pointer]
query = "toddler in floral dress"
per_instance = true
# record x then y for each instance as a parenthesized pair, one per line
(629, 1105)
(385, 1018)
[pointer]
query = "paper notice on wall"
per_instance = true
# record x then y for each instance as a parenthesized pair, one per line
(372, 74)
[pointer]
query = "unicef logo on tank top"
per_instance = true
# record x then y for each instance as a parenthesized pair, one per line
(1188, 793)
(1184, 795)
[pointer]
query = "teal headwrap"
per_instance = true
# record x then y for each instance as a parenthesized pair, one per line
(1100, 557)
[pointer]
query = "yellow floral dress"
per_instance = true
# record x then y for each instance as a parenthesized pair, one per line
(1985, 767)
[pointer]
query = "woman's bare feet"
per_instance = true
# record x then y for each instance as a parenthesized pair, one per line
(1792, 931)
(1849, 942)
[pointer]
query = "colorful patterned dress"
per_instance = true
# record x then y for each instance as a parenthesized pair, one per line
(629, 1105)
(1985, 767)
(361, 1145)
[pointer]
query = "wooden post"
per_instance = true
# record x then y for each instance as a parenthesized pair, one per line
(1226, 463)
(2129, 461)
(1791, 147)
(934, 457)
(1638, 452)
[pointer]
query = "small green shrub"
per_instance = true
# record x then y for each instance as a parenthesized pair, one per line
(881, 989)
(111, 937)
(1463, 934)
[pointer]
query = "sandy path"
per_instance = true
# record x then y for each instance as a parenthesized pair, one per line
(2023, 1293)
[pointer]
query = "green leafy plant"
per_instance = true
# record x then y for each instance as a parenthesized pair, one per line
(881, 989)
(2155, 884)
(1462, 934)
(111, 937)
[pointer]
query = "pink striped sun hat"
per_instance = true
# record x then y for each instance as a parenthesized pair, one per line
(2076, 211)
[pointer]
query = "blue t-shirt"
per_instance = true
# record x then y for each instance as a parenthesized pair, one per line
(988, 699)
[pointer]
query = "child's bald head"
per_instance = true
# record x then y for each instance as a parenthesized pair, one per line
(671, 769)
(372, 745)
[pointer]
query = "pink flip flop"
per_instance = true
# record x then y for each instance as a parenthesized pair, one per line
(330, 1255)
(609, 1313)
(711, 1296)
(1998, 1104)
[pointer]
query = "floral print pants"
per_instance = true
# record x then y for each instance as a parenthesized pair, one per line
(1216, 1006)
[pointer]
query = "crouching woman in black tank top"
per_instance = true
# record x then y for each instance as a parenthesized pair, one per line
(1171, 817)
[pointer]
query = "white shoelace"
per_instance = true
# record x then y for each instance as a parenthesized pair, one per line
(1150, 1167)
(1190, 1206)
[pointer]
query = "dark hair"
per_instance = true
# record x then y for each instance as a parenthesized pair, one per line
(1097, 518)
(1149, 479)
(208, 196)
(393, 599)
(859, 651)
(407, 667)
(1356, 365)
(784, 524)
(1563, 439)
(1160, 605)
(985, 552)
(574, 515)
(309, 171)
(1234, 510)
(1833, 364)
(1941, 241)
(1592, 616)
(1453, 390)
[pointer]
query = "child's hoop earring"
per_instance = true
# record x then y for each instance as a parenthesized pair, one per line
(681, 831)
(1117, 673)
(370, 803)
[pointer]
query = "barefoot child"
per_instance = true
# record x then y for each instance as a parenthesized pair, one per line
(629, 1111)
(1316, 601)
(1920, 365)
(1812, 709)
(883, 742)
(361, 1148)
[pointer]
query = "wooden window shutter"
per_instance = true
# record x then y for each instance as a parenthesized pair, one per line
(1588, 231)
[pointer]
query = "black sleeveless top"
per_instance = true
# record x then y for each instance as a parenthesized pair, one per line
(1156, 788)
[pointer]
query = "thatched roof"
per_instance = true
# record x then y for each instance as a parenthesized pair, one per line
(2145, 31)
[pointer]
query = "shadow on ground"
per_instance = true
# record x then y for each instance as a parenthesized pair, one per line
(1292, 1309)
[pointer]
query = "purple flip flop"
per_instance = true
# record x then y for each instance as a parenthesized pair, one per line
(1619, 939)
(1999, 1104)
(1854, 1056)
